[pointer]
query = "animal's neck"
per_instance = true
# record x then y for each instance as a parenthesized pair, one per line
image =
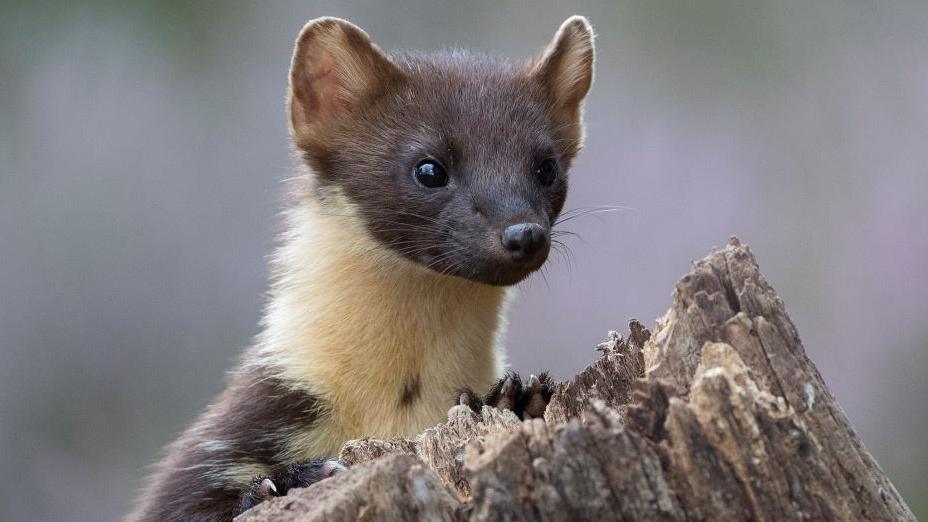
(347, 316)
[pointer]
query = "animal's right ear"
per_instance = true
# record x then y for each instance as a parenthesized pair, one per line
(336, 71)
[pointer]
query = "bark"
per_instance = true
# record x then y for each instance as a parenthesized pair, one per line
(716, 415)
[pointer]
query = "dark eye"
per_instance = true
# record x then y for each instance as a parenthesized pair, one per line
(430, 174)
(547, 172)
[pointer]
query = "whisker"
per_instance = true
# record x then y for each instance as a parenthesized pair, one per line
(565, 251)
(557, 233)
(585, 212)
(544, 276)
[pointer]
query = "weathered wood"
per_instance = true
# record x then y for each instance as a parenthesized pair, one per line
(725, 298)
(440, 447)
(395, 487)
(717, 415)
(610, 379)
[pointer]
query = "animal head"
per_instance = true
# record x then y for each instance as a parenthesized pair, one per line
(453, 160)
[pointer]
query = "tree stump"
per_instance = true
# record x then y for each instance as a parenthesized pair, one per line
(716, 415)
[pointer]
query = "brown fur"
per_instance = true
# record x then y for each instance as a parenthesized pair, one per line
(237, 438)
(388, 296)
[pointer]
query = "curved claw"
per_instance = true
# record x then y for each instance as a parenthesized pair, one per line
(534, 384)
(266, 488)
(536, 395)
(467, 397)
(262, 488)
(506, 396)
(332, 467)
(527, 400)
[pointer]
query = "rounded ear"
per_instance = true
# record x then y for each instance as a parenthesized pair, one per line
(565, 72)
(336, 70)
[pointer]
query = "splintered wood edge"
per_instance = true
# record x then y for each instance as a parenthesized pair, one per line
(718, 410)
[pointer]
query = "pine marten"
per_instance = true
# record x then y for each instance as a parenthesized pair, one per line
(427, 185)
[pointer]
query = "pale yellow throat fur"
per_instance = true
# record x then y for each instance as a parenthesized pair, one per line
(358, 326)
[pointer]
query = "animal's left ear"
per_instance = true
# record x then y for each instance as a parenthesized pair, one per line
(565, 71)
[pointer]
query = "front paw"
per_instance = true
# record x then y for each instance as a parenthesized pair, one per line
(261, 489)
(299, 475)
(309, 472)
(527, 400)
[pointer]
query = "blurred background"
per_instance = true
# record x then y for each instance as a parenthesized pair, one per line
(142, 147)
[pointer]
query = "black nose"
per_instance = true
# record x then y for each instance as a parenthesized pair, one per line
(525, 241)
